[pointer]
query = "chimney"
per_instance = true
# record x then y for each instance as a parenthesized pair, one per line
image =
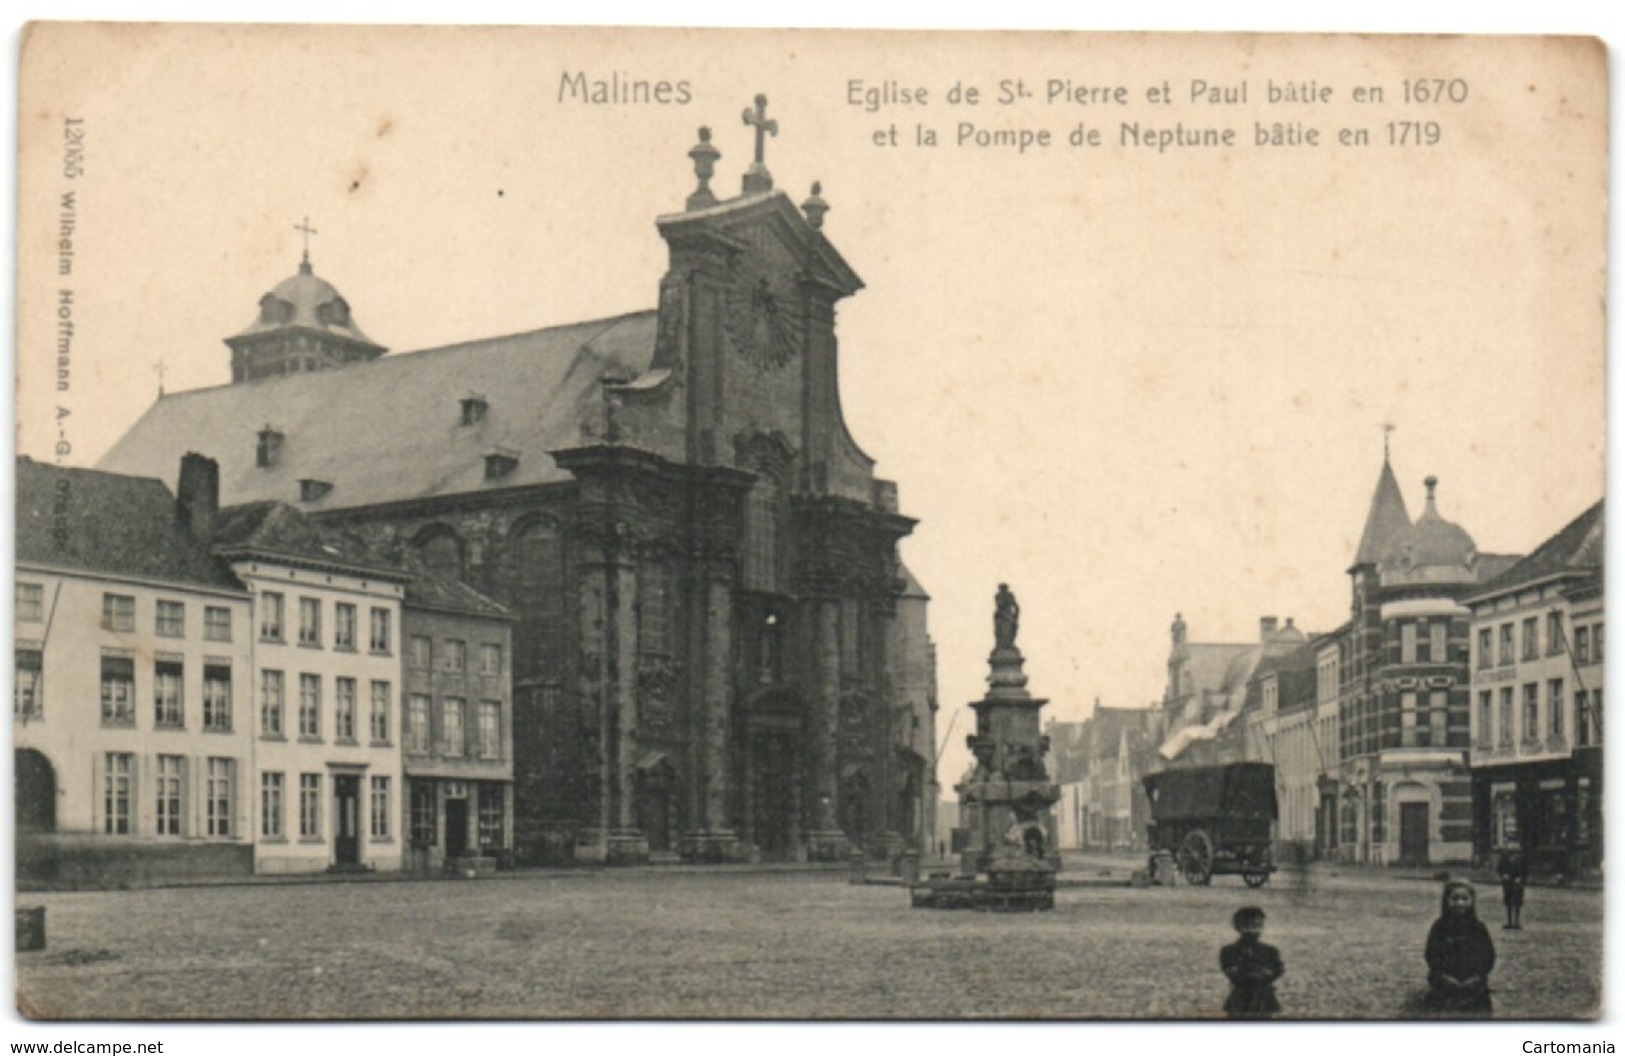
(1266, 628)
(197, 496)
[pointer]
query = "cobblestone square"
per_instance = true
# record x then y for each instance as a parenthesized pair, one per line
(799, 945)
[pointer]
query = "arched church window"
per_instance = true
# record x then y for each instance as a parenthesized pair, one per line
(441, 552)
(764, 513)
(537, 553)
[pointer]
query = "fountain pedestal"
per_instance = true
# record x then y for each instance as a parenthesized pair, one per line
(1005, 802)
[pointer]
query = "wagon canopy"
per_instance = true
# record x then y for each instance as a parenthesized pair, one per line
(1197, 793)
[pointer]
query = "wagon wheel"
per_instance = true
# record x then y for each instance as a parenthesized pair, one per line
(1196, 858)
(1256, 879)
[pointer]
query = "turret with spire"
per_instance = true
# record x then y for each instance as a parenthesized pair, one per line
(1386, 518)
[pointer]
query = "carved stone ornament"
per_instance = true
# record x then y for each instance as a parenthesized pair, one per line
(762, 324)
(854, 720)
(669, 340)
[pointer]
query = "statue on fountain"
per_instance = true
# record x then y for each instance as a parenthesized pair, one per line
(1006, 618)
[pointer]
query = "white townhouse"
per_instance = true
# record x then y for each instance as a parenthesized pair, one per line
(1537, 719)
(326, 634)
(132, 727)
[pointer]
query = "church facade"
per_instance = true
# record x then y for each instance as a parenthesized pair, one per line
(717, 653)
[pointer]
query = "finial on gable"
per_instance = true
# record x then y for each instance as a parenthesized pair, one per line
(705, 165)
(815, 207)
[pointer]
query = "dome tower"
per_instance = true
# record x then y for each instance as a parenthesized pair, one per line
(304, 324)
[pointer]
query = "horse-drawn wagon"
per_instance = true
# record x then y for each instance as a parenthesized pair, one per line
(1214, 820)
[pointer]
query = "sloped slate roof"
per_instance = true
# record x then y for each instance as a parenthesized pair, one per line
(911, 585)
(431, 590)
(1209, 664)
(392, 429)
(1578, 547)
(109, 524)
(1109, 724)
(1386, 519)
(276, 530)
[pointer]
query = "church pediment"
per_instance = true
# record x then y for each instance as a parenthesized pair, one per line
(771, 234)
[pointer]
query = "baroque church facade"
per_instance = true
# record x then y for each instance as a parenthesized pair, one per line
(718, 653)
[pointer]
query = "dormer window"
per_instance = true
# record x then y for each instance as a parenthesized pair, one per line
(474, 408)
(274, 309)
(269, 449)
(311, 490)
(499, 462)
(333, 313)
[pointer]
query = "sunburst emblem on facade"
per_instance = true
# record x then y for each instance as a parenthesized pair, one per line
(762, 324)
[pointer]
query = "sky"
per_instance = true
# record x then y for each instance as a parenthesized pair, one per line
(1109, 496)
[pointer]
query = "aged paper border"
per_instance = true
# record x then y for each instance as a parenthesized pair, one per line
(1133, 1038)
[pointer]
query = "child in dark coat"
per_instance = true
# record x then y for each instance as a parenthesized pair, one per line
(1513, 869)
(1460, 955)
(1252, 968)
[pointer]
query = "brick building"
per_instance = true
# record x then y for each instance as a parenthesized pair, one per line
(1404, 792)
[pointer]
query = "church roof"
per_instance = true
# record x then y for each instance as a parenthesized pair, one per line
(392, 429)
(304, 300)
(1576, 549)
(911, 585)
(111, 524)
(1386, 518)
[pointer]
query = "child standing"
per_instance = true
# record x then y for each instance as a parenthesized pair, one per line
(1513, 869)
(1252, 967)
(1460, 955)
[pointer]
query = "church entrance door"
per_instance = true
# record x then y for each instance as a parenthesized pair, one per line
(657, 802)
(773, 793)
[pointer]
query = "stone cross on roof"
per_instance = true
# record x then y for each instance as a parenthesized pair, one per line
(308, 231)
(757, 178)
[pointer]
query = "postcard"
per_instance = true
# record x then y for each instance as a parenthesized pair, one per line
(651, 524)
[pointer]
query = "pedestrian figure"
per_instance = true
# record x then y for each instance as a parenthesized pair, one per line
(1460, 955)
(1252, 966)
(1513, 869)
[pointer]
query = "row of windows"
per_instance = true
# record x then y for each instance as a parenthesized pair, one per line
(273, 612)
(453, 655)
(118, 614)
(170, 794)
(273, 706)
(1423, 723)
(1588, 641)
(273, 806)
(1495, 725)
(422, 721)
(118, 692)
(1429, 729)
(1424, 641)
(169, 619)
